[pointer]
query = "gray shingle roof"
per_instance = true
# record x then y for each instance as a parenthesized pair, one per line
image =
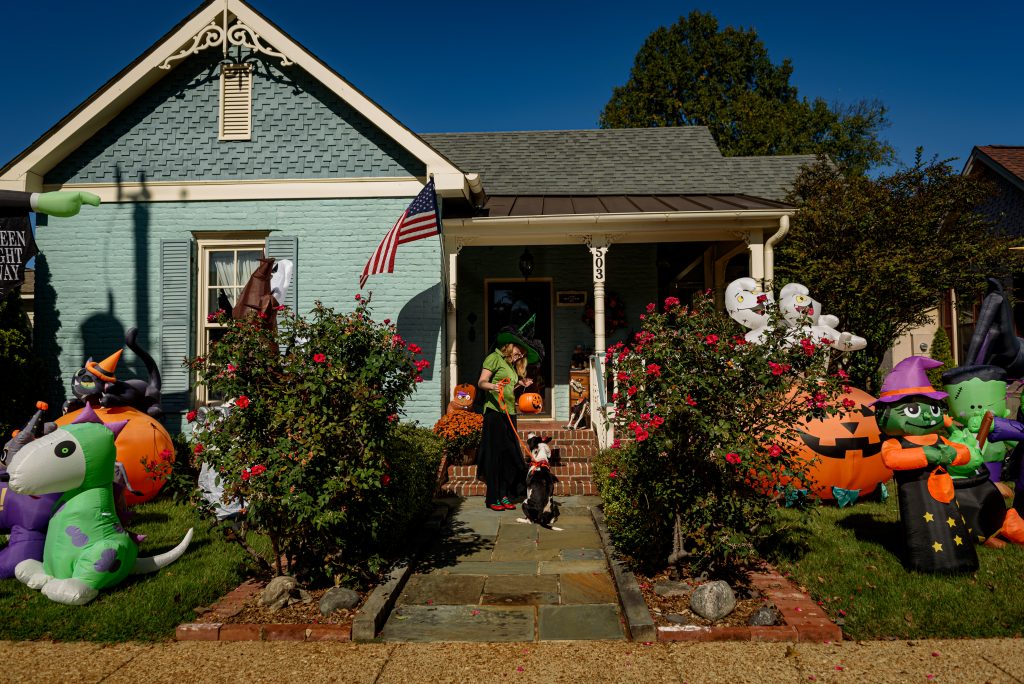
(627, 161)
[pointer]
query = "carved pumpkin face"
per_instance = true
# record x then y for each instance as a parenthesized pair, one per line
(846, 447)
(530, 402)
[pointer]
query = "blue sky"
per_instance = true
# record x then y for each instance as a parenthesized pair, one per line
(950, 72)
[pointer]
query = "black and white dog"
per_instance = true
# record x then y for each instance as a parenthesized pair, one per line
(539, 507)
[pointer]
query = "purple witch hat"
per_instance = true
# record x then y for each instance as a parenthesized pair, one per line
(909, 378)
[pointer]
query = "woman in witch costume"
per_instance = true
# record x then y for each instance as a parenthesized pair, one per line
(912, 413)
(500, 461)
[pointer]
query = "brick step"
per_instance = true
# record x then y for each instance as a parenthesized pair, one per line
(559, 436)
(565, 487)
(566, 470)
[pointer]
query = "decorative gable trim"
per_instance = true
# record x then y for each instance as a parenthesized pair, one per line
(26, 171)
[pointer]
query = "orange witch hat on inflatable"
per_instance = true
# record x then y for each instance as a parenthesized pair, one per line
(105, 369)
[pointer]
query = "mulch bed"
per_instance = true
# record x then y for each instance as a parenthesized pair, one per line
(748, 601)
(251, 612)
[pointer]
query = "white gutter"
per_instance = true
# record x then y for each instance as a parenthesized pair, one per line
(594, 219)
(769, 251)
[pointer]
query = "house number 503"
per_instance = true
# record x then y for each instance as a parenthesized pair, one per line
(599, 257)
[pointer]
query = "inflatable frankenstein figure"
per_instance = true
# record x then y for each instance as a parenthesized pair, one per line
(912, 414)
(973, 391)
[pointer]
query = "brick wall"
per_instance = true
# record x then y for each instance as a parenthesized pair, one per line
(99, 274)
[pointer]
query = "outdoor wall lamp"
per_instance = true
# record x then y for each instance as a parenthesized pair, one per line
(526, 263)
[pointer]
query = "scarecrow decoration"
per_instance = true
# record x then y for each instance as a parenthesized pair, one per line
(912, 414)
(17, 246)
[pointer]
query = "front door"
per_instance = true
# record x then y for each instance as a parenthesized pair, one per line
(512, 302)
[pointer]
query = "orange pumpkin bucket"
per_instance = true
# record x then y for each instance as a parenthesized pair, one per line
(530, 402)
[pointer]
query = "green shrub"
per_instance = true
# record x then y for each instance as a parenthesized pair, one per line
(705, 423)
(942, 351)
(312, 441)
(22, 371)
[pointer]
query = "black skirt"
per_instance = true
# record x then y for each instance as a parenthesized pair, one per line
(500, 461)
(935, 534)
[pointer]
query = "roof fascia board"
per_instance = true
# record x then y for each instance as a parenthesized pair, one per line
(118, 93)
(979, 155)
(446, 175)
(269, 189)
(654, 227)
(110, 101)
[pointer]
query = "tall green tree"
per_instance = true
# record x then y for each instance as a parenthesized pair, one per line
(880, 253)
(692, 73)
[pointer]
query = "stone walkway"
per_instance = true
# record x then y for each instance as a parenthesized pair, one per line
(490, 578)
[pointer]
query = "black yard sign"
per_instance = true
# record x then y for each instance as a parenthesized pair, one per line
(17, 246)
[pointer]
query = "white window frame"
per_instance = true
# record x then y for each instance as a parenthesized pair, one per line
(205, 247)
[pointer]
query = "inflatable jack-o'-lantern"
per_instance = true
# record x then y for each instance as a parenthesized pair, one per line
(144, 448)
(530, 402)
(846, 447)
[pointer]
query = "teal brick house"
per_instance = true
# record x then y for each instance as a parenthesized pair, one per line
(227, 140)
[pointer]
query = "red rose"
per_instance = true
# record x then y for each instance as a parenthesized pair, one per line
(319, 358)
(197, 449)
(711, 339)
(190, 416)
(242, 402)
(733, 458)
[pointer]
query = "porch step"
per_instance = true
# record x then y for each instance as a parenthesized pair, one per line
(574, 479)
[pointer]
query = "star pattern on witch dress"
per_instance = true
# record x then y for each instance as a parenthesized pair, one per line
(937, 546)
(928, 517)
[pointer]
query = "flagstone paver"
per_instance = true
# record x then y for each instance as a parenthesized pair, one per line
(593, 587)
(493, 578)
(579, 623)
(460, 623)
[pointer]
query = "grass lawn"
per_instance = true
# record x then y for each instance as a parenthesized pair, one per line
(848, 559)
(144, 607)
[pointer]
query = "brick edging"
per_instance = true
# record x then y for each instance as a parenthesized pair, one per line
(804, 619)
(364, 625)
(230, 604)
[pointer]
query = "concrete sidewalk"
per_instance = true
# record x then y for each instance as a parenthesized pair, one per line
(989, 660)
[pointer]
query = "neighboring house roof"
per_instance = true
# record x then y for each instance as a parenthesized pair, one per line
(1006, 160)
(626, 161)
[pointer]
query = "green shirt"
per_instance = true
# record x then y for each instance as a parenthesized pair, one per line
(497, 364)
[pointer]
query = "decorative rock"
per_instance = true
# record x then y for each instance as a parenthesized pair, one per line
(766, 616)
(677, 619)
(304, 597)
(672, 589)
(277, 592)
(338, 598)
(713, 600)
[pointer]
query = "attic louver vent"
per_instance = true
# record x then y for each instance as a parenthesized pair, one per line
(236, 102)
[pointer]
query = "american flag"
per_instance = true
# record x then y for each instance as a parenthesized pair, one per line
(419, 221)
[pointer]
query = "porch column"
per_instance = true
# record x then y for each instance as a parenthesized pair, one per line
(603, 426)
(755, 244)
(451, 320)
(598, 254)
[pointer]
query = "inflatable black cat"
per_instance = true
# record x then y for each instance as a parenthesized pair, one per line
(97, 384)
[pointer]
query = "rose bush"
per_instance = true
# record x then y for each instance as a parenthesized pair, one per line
(703, 420)
(312, 441)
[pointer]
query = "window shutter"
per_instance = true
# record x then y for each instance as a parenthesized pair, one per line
(287, 247)
(175, 322)
(236, 102)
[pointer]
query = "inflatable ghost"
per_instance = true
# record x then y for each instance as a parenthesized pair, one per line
(747, 307)
(803, 314)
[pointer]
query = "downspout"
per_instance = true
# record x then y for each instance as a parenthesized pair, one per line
(769, 252)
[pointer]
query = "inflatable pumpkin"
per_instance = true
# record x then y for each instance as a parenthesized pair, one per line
(144, 448)
(847, 447)
(530, 402)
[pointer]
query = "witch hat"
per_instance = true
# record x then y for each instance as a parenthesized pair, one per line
(105, 369)
(908, 378)
(523, 337)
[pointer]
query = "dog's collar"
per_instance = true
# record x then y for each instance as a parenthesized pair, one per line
(539, 464)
